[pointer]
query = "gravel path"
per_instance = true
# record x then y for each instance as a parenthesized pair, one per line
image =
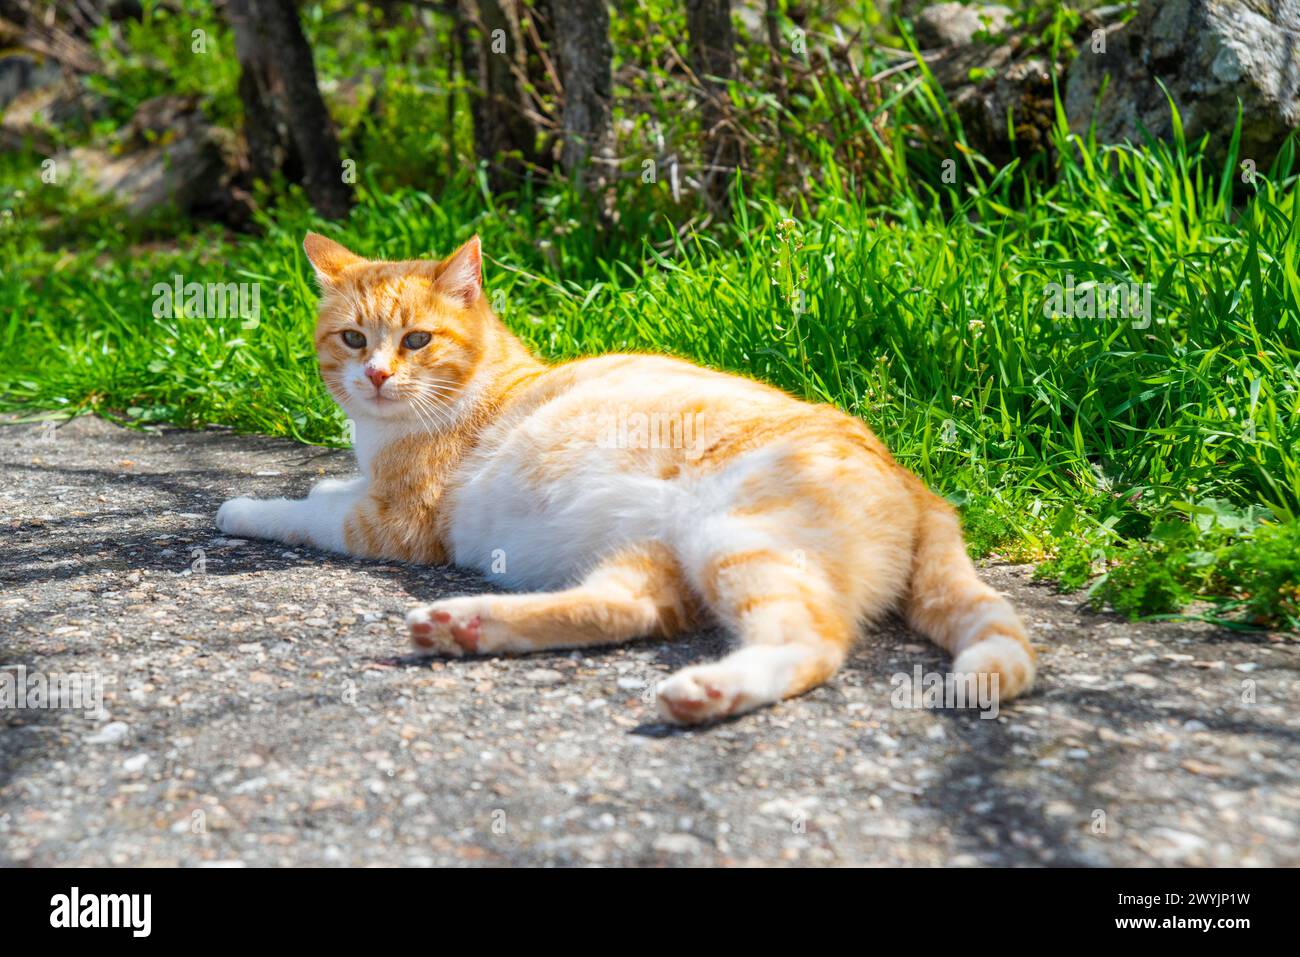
(257, 711)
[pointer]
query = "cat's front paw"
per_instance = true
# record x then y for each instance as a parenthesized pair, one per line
(238, 516)
(450, 627)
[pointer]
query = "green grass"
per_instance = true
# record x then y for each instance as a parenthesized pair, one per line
(1159, 461)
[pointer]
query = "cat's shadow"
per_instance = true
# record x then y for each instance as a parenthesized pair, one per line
(879, 652)
(706, 643)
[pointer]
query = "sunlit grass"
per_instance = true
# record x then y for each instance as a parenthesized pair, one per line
(914, 303)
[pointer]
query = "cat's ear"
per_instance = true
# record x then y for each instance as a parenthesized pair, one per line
(327, 257)
(461, 274)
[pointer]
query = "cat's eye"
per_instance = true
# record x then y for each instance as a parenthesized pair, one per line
(353, 338)
(416, 340)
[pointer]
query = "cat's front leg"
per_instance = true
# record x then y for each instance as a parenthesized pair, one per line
(316, 520)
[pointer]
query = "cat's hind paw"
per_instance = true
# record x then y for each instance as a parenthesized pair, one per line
(1002, 659)
(452, 627)
(700, 694)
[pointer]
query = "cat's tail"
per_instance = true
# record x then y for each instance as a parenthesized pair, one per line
(951, 606)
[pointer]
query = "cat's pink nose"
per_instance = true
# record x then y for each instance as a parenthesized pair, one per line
(377, 376)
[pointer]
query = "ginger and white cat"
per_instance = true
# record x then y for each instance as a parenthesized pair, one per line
(623, 496)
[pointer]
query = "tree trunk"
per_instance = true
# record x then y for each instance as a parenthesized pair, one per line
(285, 121)
(492, 59)
(584, 53)
(713, 59)
(775, 49)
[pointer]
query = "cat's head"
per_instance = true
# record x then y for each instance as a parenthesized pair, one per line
(398, 340)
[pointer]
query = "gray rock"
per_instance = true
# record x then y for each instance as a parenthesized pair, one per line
(33, 113)
(543, 676)
(951, 24)
(1209, 54)
(111, 733)
(20, 72)
(135, 764)
(988, 82)
(145, 171)
(687, 845)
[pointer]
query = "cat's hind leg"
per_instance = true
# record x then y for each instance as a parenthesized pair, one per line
(960, 613)
(636, 592)
(795, 629)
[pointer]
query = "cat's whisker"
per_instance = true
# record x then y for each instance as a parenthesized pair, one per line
(425, 423)
(425, 389)
(415, 404)
(448, 388)
(429, 413)
(439, 420)
(432, 387)
(438, 397)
